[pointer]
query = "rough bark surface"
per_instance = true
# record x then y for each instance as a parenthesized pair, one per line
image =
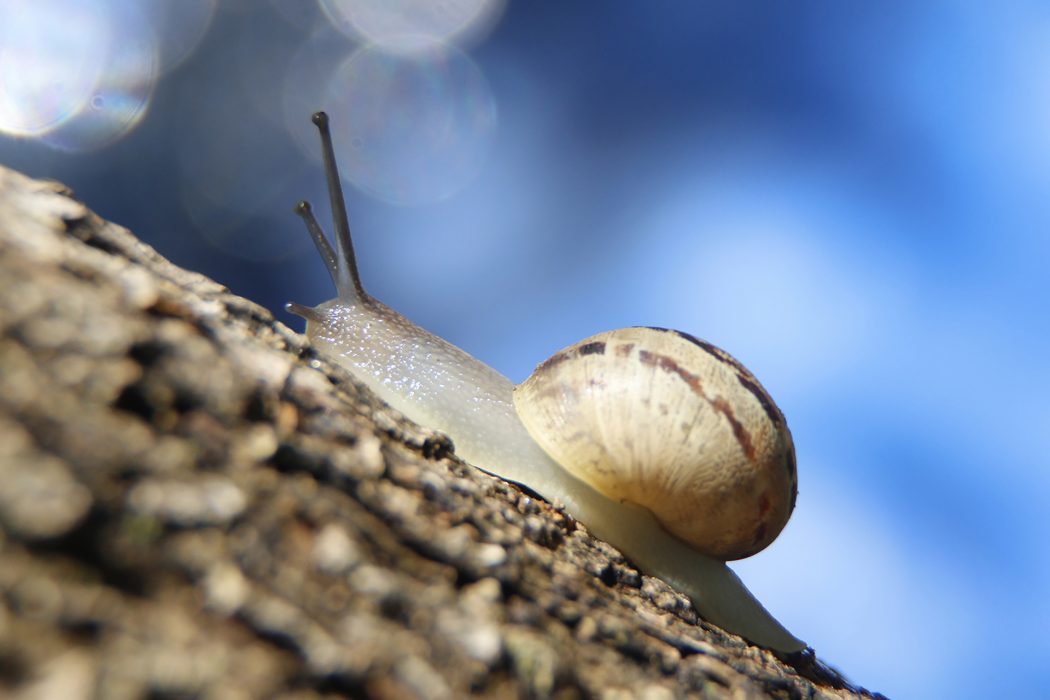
(193, 503)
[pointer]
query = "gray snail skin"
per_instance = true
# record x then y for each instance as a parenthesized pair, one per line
(661, 444)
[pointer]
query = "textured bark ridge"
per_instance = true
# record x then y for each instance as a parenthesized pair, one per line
(193, 503)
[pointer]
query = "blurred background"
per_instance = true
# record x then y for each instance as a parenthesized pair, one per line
(852, 199)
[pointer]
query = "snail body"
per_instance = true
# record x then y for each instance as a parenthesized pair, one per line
(555, 433)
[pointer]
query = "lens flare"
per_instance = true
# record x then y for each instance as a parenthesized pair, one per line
(414, 128)
(52, 54)
(122, 93)
(411, 25)
(179, 26)
(306, 80)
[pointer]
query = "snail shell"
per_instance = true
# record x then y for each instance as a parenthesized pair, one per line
(671, 423)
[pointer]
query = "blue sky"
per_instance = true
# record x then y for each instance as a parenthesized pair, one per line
(853, 200)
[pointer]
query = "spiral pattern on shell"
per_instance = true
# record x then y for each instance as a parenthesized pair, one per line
(666, 421)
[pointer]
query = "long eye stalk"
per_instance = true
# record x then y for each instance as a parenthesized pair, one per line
(341, 262)
(328, 255)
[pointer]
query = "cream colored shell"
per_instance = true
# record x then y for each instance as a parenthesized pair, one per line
(663, 420)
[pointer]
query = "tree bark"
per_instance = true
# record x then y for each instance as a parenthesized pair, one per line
(193, 503)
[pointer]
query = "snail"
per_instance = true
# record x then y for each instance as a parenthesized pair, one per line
(661, 444)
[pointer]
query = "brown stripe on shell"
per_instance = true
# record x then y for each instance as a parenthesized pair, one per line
(739, 431)
(743, 375)
(749, 383)
(760, 534)
(764, 504)
(669, 365)
(624, 350)
(710, 348)
(719, 404)
(555, 360)
(595, 348)
(715, 352)
(793, 473)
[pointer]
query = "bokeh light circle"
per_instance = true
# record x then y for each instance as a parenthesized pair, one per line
(121, 96)
(80, 75)
(411, 128)
(306, 80)
(51, 56)
(413, 24)
(179, 26)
